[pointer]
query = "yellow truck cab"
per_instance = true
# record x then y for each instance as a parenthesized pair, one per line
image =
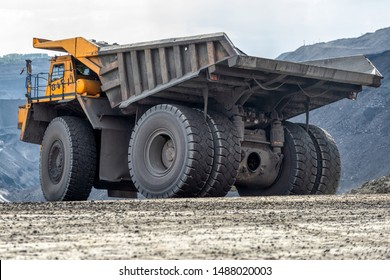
(66, 78)
(61, 80)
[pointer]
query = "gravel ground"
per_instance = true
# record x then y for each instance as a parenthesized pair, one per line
(379, 186)
(292, 227)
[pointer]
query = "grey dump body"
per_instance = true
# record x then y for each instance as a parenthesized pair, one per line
(189, 70)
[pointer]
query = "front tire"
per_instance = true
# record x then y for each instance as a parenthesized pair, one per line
(68, 160)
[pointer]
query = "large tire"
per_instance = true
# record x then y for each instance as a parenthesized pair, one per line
(227, 156)
(170, 152)
(298, 170)
(328, 157)
(68, 159)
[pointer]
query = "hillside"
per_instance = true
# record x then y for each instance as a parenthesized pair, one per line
(19, 161)
(370, 43)
(12, 83)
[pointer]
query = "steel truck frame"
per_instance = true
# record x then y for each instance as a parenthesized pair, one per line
(183, 117)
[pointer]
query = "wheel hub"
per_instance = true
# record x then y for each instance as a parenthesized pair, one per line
(160, 153)
(56, 162)
(168, 154)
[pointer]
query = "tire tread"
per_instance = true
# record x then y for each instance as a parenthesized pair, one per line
(329, 166)
(227, 156)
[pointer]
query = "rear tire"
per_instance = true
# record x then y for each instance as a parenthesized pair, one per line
(170, 152)
(298, 170)
(227, 156)
(328, 157)
(68, 160)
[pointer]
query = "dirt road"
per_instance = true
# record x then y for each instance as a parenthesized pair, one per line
(320, 227)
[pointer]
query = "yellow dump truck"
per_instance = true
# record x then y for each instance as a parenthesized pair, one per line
(183, 117)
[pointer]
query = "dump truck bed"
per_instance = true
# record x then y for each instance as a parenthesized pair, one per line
(192, 68)
(180, 69)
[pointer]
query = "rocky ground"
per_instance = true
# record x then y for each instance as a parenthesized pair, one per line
(292, 227)
(377, 186)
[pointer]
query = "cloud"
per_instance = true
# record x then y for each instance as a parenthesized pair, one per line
(262, 28)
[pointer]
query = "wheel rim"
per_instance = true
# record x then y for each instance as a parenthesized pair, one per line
(160, 153)
(56, 162)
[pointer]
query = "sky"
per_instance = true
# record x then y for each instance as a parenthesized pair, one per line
(257, 27)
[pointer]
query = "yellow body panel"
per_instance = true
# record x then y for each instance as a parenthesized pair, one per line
(22, 118)
(22, 115)
(87, 87)
(84, 50)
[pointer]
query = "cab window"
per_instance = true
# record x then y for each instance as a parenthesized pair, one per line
(58, 72)
(84, 72)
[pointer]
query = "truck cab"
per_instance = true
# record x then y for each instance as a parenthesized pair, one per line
(61, 83)
(66, 78)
